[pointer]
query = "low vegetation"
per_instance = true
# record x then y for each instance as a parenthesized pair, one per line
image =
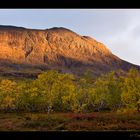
(69, 121)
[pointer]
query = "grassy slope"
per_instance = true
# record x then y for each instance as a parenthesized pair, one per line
(68, 121)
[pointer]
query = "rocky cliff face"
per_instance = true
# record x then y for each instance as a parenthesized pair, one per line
(24, 49)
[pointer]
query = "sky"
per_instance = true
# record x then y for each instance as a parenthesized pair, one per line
(117, 29)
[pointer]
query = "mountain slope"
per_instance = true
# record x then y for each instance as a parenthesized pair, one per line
(31, 51)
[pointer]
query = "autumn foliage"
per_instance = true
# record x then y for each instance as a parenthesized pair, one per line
(56, 92)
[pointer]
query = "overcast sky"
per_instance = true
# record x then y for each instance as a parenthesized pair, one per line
(118, 29)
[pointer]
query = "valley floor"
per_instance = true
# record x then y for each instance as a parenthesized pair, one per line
(68, 121)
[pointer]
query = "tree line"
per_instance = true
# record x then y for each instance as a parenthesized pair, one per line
(56, 92)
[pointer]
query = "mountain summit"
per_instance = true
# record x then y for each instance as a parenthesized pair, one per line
(30, 50)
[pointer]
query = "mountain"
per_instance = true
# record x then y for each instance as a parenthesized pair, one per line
(27, 52)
